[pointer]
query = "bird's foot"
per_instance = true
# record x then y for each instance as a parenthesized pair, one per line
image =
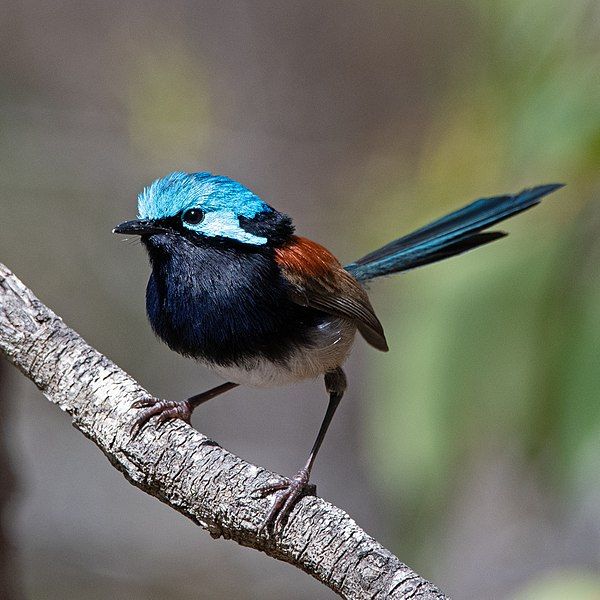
(287, 493)
(165, 410)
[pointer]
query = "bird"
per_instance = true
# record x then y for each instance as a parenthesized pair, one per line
(234, 287)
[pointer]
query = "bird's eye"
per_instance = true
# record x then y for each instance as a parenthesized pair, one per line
(193, 216)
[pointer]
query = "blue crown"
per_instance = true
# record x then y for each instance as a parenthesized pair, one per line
(179, 191)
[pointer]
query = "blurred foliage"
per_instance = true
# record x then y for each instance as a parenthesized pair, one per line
(499, 349)
(574, 585)
(168, 104)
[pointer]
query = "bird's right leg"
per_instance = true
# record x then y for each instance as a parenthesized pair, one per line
(174, 409)
(289, 491)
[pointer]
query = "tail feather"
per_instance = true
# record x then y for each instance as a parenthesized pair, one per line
(453, 234)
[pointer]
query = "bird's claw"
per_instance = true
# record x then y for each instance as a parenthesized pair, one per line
(165, 410)
(287, 493)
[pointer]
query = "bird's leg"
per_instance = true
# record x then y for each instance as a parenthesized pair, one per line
(289, 491)
(174, 409)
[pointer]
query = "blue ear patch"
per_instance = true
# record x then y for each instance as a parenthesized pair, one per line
(225, 223)
(222, 200)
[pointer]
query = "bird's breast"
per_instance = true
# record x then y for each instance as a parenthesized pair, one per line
(233, 313)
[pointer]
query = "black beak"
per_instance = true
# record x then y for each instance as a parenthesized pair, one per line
(139, 227)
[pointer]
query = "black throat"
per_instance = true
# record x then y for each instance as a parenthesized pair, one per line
(221, 302)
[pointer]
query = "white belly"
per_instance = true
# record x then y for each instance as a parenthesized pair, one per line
(331, 344)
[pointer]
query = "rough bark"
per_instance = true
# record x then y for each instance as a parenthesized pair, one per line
(186, 470)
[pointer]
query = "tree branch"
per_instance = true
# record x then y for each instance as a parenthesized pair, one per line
(186, 470)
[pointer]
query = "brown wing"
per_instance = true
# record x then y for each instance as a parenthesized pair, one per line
(318, 280)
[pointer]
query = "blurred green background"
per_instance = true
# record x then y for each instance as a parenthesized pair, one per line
(472, 449)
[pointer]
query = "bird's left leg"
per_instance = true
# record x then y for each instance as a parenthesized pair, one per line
(289, 491)
(174, 409)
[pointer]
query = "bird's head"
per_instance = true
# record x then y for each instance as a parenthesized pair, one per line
(205, 208)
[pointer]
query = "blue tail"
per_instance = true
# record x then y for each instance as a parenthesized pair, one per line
(453, 234)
